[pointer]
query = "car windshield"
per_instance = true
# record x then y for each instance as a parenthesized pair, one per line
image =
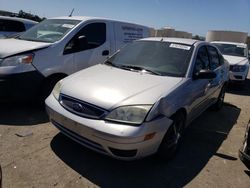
(50, 30)
(232, 49)
(155, 57)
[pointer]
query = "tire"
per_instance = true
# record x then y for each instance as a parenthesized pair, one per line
(220, 100)
(173, 137)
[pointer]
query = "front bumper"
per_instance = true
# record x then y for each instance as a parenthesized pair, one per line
(120, 141)
(238, 76)
(20, 85)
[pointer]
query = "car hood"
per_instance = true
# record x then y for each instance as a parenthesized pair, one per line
(233, 60)
(9, 47)
(109, 87)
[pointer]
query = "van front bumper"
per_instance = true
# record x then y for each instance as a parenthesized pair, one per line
(238, 76)
(121, 141)
(20, 85)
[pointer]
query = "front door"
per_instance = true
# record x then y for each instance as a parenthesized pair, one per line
(95, 49)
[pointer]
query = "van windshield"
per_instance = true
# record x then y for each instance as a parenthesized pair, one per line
(50, 30)
(155, 57)
(232, 49)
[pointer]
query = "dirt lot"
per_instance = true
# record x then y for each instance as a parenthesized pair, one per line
(46, 158)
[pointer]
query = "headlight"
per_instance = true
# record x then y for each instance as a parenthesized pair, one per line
(57, 89)
(17, 60)
(238, 68)
(129, 114)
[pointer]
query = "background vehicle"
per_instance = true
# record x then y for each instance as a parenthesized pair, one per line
(237, 56)
(244, 152)
(140, 100)
(12, 25)
(57, 47)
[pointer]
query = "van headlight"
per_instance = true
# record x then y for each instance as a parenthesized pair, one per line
(17, 60)
(57, 89)
(129, 114)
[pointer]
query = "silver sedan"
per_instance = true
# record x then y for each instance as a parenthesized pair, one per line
(139, 101)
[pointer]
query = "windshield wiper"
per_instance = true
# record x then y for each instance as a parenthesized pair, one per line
(111, 64)
(138, 68)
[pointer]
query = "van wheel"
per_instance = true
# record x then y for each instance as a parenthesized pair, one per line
(172, 139)
(220, 100)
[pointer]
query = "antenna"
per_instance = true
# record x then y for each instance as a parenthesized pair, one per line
(71, 12)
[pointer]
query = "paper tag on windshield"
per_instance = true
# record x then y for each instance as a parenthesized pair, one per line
(68, 26)
(180, 46)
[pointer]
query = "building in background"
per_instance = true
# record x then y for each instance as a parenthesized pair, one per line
(230, 36)
(248, 42)
(170, 32)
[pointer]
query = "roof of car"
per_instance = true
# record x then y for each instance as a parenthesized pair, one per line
(19, 19)
(175, 40)
(226, 42)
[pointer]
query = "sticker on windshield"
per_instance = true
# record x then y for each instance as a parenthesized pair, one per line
(180, 46)
(70, 26)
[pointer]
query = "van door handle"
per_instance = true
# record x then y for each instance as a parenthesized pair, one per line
(105, 52)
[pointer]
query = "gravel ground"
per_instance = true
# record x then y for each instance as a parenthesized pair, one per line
(46, 158)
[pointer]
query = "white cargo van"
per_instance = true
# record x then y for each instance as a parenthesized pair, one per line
(31, 64)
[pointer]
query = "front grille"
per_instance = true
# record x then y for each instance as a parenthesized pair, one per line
(81, 108)
(231, 67)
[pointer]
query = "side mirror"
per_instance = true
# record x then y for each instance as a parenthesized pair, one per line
(205, 74)
(82, 42)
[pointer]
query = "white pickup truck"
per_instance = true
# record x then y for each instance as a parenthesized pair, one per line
(237, 56)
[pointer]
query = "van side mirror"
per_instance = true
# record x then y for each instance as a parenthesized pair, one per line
(205, 74)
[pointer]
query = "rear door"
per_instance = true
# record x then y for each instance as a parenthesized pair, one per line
(98, 45)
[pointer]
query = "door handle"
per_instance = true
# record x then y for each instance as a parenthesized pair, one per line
(105, 52)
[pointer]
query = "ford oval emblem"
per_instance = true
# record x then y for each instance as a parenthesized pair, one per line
(77, 107)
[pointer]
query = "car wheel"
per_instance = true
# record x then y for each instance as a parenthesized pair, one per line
(172, 139)
(220, 100)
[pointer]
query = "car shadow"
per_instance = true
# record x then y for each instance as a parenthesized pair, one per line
(201, 141)
(239, 89)
(22, 114)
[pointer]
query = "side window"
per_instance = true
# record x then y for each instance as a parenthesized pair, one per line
(202, 60)
(11, 26)
(214, 58)
(95, 36)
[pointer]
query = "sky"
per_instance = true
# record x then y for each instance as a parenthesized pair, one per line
(195, 16)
